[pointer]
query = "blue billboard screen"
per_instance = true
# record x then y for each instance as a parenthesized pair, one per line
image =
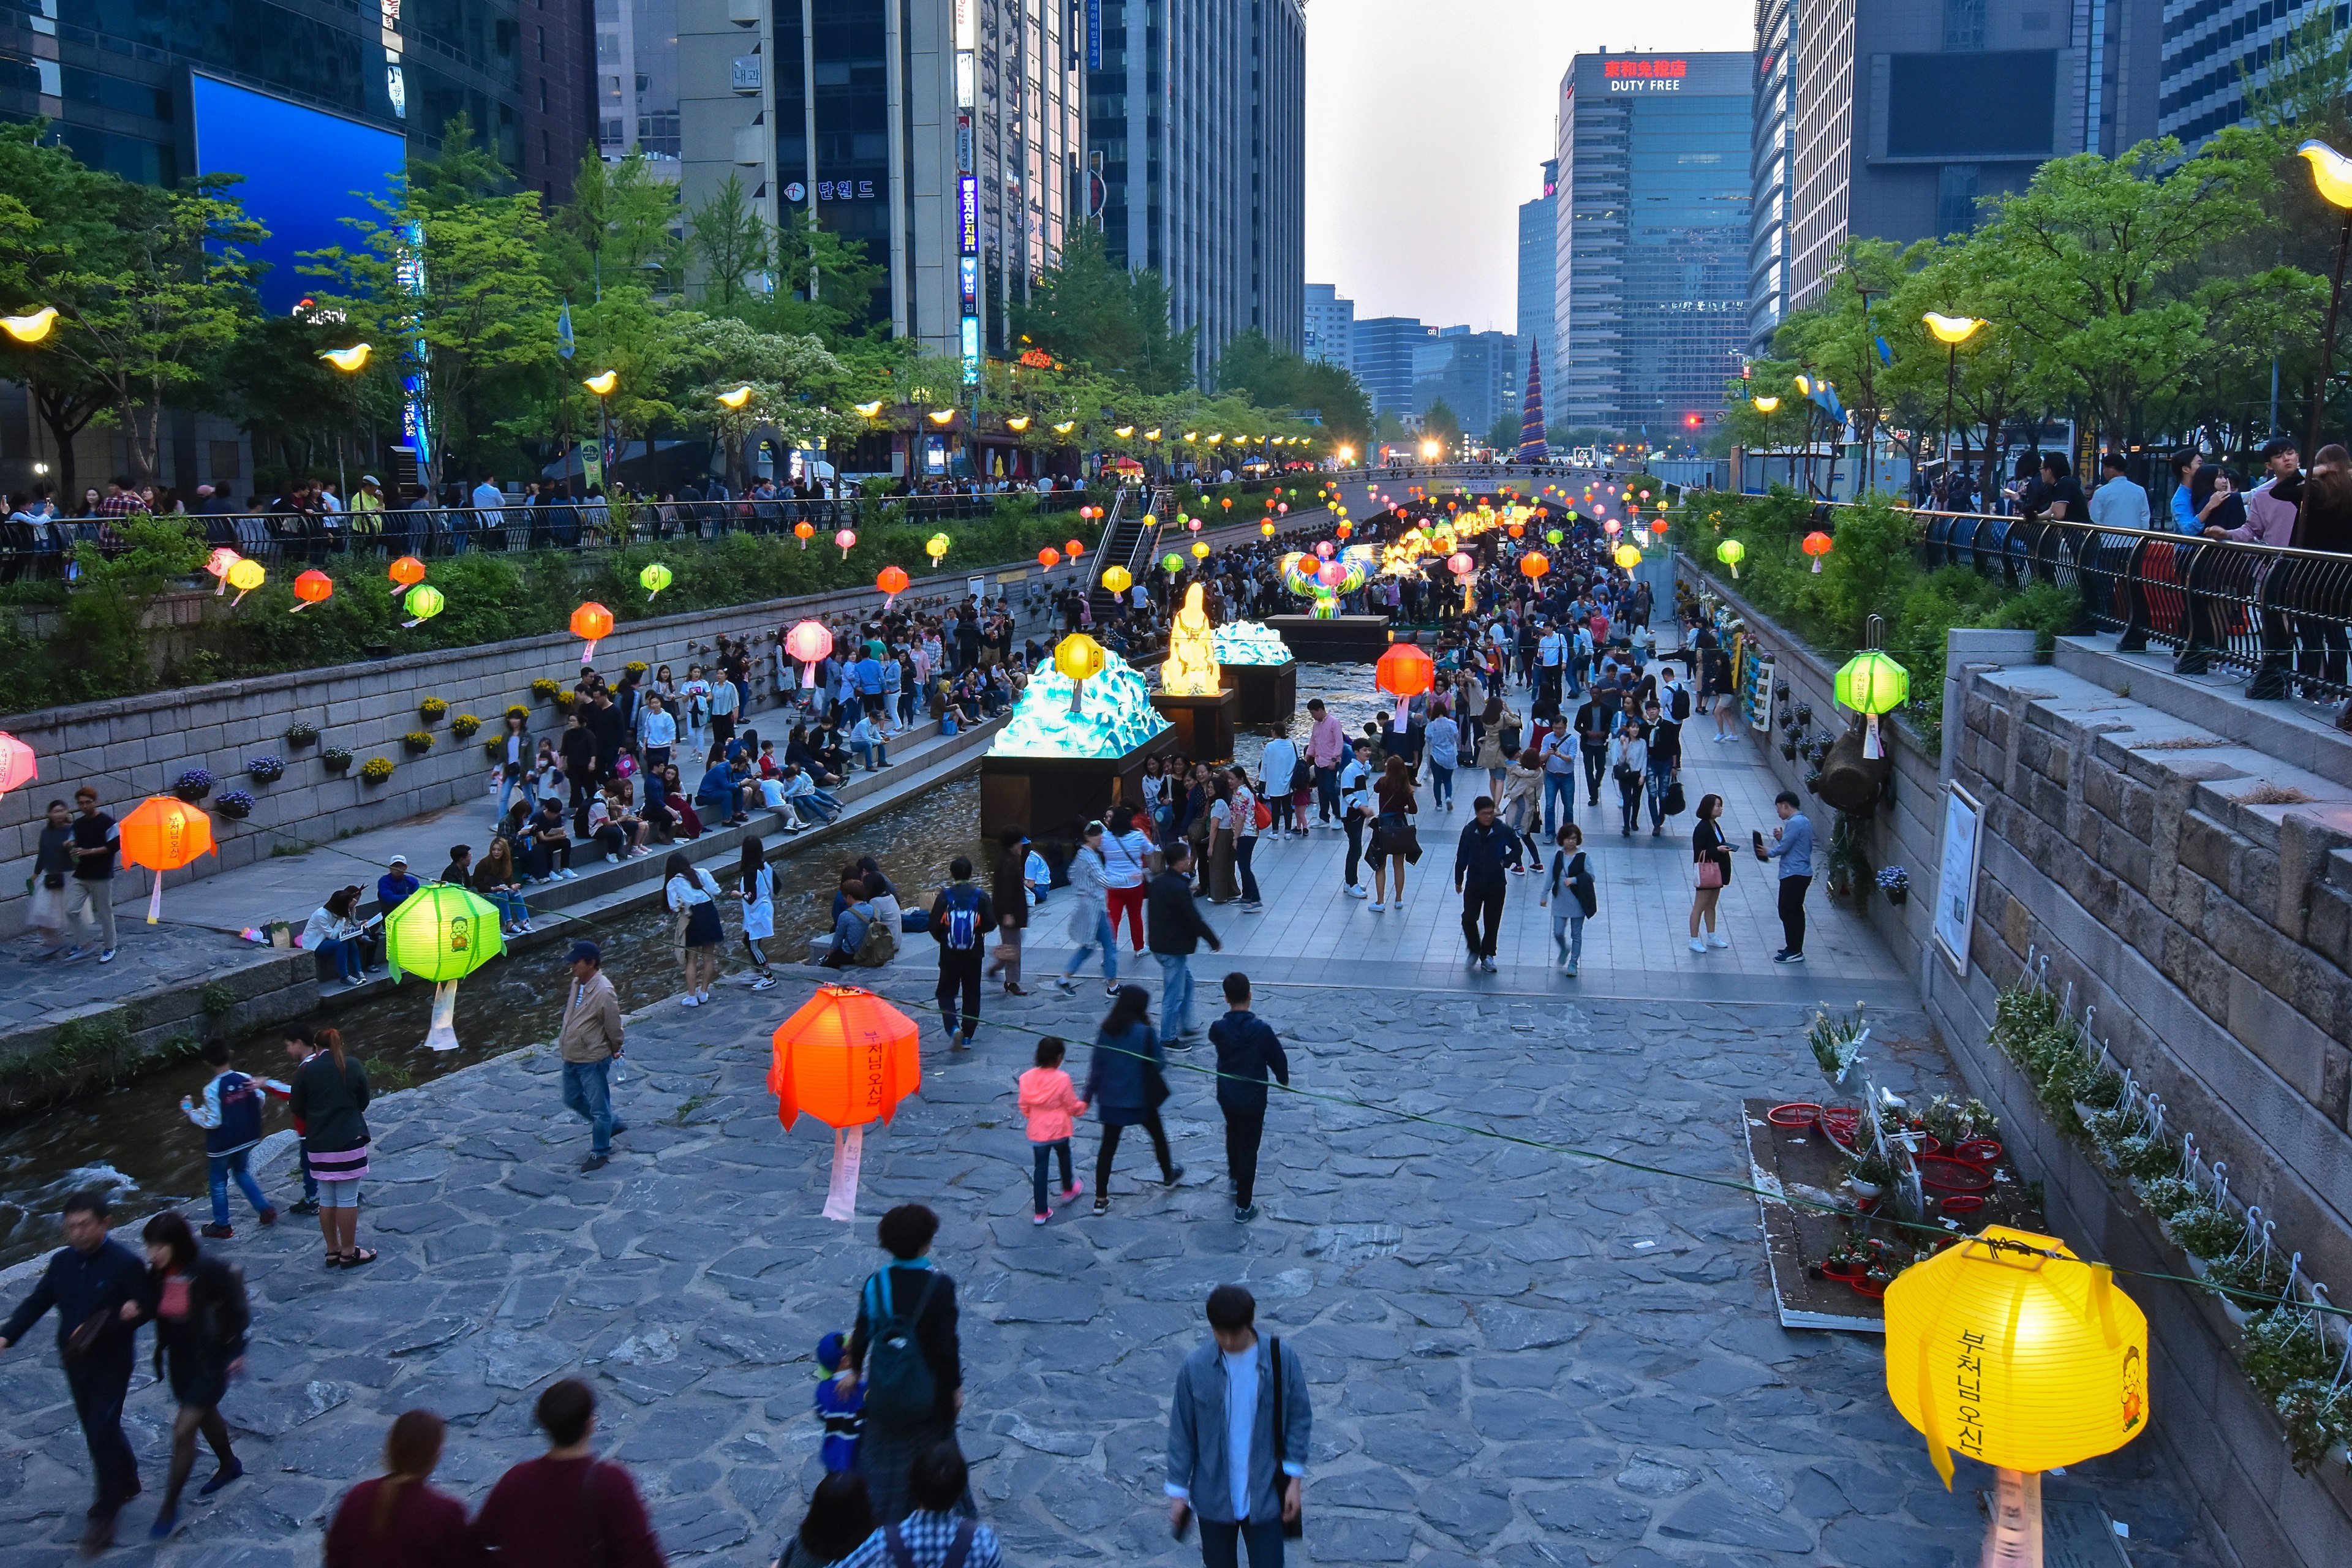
(304, 172)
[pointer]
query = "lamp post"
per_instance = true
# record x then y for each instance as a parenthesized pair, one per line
(1952, 331)
(350, 362)
(602, 384)
(2331, 172)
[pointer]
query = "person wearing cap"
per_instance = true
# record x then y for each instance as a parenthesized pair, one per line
(391, 888)
(367, 506)
(589, 1040)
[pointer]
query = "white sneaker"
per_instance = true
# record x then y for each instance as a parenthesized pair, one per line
(691, 999)
(1716, 940)
(1355, 892)
(1378, 907)
(1697, 945)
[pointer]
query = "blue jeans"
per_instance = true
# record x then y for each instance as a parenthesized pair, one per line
(1221, 1545)
(1175, 994)
(1660, 779)
(507, 789)
(817, 803)
(510, 906)
(1568, 934)
(1441, 785)
(220, 1168)
(874, 754)
(1103, 938)
(1563, 787)
(588, 1092)
(1042, 1152)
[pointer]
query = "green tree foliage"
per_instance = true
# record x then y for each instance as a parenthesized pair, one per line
(1086, 309)
(1274, 377)
(620, 226)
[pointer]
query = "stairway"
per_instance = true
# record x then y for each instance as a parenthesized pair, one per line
(1128, 540)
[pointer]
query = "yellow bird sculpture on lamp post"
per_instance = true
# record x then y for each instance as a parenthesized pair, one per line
(2331, 172)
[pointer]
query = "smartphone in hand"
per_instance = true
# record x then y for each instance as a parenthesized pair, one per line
(1182, 1525)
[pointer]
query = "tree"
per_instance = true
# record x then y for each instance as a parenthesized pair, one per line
(51, 210)
(731, 244)
(797, 386)
(1503, 434)
(1276, 378)
(620, 221)
(1086, 309)
(1440, 423)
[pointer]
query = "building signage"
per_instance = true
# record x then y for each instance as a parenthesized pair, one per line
(967, 214)
(1094, 34)
(970, 270)
(1645, 75)
(836, 191)
(971, 351)
(795, 192)
(963, 141)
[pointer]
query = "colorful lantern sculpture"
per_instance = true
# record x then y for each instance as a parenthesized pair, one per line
(1534, 564)
(244, 574)
(218, 563)
(423, 603)
(18, 766)
(163, 833)
(654, 579)
(804, 532)
(1118, 579)
(2010, 1349)
(1873, 684)
(1080, 659)
(1731, 552)
(1818, 544)
(807, 644)
(1405, 672)
(936, 547)
(312, 587)
(892, 582)
(1171, 563)
(408, 571)
(847, 1058)
(847, 540)
(442, 932)
(592, 622)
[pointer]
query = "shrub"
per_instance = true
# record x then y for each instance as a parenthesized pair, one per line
(375, 770)
(431, 708)
(265, 769)
(417, 742)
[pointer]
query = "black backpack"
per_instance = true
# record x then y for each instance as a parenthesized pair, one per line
(899, 1387)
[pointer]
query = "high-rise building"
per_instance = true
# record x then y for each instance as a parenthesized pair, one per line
(1386, 348)
(1768, 162)
(1539, 236)
(2211, 51)
(1477, 374)
(1330, 326)
(636, 81)
(942, 135)
(1195, 125)
(1651, 303)
(1907, 116)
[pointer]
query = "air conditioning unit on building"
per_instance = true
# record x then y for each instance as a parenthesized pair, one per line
(744, 13)
(751, 146)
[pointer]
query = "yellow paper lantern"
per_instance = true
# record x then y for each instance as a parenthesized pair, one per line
(2023, 1361)
(1079, 658)
(1118, 579)
(935, 547)
(1628, 556)
(1200, 550)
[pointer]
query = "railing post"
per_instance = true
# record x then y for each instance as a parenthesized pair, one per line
(2270, 681)
(2135, 590)
(2195, 657)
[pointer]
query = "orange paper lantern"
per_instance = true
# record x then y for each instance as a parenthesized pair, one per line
(1817, 544)
(892, 581)
(1405, 672)
(1533, 565)
(1049, 558)
(847, 1058)
(1074, 548)
(408, 571)
(594, 622)
(165, 833)
(313, 588)
(804, 532)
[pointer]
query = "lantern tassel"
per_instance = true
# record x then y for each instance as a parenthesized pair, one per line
(415, 624)
(1735, 571)
(588, 653)
(848, 1154)
(1817, 567)
(220, 586)
(298, 608)
(1077, 692)
(443, 1034)
(1403, 718)
(155, 898)
(1870, 738)
(2014, 1534)
(232, 603)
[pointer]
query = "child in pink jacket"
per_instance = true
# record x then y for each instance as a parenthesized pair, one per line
(1049, 1102)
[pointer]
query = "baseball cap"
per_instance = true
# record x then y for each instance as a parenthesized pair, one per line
(398, 861)
(587, 951)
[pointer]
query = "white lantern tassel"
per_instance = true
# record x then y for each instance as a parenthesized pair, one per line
(848, 1154)
(443, 1035)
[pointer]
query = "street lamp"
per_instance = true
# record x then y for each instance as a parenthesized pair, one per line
(1951, 332)
(602, 384)
(2331, 172)
(31, 327)
(1765, 405)
(349, 361)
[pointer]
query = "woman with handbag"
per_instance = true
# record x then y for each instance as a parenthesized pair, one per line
(1712, 856)
(1393, 837)
(1629, 765)
(199, 1310)
(1127, 1083)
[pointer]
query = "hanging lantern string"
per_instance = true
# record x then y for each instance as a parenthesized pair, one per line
(2245, 1298)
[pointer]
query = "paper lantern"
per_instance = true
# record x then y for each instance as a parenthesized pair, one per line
(1660, 527)
(592, 622)
(1533, 565)
(1049, 558)
(847, 1058)
(1405, 672)
(408, 571)
(163, 833)
(892, 581)
(312, 587)
(1171, 563)
(804, 532)
(423, 603)
(1282, 508)
(1227, 503)
(2023, 1361)
(244, 574)
(442, 932)
(1074, 548)
(1192, 523)
(1731, 552)
(18, 766)
(1870, 684)
(1118, 579)
(1331, 573)
(1080, 659)
(1345, 527)
(1267, 528)
(1612, 527)
(1629, 556)
(654, 579)
(1200, 550)
(1518, 530)
(935, 547)
(218, 563)
(1459, 563)
(847, 540)
(1553, 538)
(1817, 544)
(808, 643)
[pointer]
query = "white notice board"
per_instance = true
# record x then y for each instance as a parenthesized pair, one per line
(1955, 877)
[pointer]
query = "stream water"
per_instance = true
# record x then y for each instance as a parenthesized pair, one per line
(133, 1142)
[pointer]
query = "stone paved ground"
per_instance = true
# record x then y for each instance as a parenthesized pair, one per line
(1517, 1358)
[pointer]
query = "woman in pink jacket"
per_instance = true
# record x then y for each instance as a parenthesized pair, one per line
(1049, 1101)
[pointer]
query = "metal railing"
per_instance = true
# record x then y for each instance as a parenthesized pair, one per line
(2282, 616)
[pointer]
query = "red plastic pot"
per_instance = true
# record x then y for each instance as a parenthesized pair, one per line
(1869, 1287)
(1848, 1271)
(1951, 1175)
(1977, 1151)
(1796, 1113)
(1962, 1203)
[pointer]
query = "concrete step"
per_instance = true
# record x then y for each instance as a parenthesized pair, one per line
(2298, 733)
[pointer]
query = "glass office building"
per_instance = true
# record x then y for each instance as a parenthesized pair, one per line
(1539, 241)
(1650, 294)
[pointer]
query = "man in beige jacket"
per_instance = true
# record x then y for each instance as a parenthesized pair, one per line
(590, 1041)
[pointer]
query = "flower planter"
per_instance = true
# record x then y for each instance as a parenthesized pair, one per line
(193, 785)
(299, 734)
(336, 760)
(234, 805)
(264, 770)
(1897, 896)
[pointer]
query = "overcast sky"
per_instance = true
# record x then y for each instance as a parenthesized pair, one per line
(1427, 125)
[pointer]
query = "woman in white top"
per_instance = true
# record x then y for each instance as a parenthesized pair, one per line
(692, 896)
(1127, 861)
(515, 759)
(1090, 923)
(1629, 760)
(331, 929)
(1245, 814)
(696, 695)
(758, 892)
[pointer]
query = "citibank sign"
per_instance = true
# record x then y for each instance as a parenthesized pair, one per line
(1645, 75)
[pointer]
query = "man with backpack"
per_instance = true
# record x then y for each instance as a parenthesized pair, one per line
(1242, 1476)
(961, 922)
(906, 1356)
(934, 1535)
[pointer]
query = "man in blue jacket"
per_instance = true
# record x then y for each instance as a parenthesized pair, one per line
(1223, 1438)
(88, 1281)
(1247, 1049)
(1480, 856)
(1792, 846)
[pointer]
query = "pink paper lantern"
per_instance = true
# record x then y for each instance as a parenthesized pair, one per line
(18, 766)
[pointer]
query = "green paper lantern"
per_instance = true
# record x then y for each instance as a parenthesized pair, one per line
(1873, 683)
(1731, 552)
(1553, 537)
(423, 603)
(442, 932)
(1171, 563)
(654, 579)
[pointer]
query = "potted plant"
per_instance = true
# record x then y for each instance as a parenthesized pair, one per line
(299, 735)
(1895, 883)
(546, 689)
(464, 725)
(336, 759)
(375, 770)
(1802, 713)
(265, 769)
(431, 709)
(1843, 1262)
(1789, 750)
(417, 742)
(234, 805)
(193, 785)
(517, 710)
(1837, 1044)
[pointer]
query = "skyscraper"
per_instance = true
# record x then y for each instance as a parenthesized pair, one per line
(1906, 116)
(636, 81)
(1475, 373)
(1386, 347)
(1651, 302)
(2207, 54)
(1330, 323)
(1768, 162)
(1195, 124)
(1538, 238)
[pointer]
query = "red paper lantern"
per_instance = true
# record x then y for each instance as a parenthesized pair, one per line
(313, 588)
(1405, 672)
(1074, 548)
(592, 623)
(847, 1058)
(1049, 558)
(892, 581)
